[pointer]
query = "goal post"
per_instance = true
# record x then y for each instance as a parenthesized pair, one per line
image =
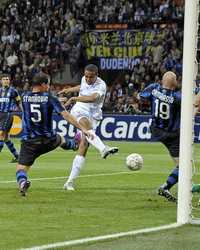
(186, 133)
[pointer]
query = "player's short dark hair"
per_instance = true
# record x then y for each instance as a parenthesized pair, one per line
(5, 75)
(39, 79)
(92, 67)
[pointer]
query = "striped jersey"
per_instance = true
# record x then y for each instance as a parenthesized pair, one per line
(9, 97)
(37, 114)
(165, 106)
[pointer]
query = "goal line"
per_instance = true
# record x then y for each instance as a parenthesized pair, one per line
(103, 237)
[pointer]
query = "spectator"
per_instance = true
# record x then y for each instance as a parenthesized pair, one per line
(43, 35)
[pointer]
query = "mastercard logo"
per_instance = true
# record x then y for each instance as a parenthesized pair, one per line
(16, 126)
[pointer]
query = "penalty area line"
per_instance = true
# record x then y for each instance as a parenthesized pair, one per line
(65, 177)
(103, 237)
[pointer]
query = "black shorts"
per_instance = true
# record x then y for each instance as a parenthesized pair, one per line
(171, 140)
(6, 121)
(33, 148)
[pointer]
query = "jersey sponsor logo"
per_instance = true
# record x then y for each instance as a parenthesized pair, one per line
(4, 99)
(162, 96)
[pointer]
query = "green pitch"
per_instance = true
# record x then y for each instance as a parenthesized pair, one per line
(109, 199)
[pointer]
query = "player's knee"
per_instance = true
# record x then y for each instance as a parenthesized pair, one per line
(85, 123)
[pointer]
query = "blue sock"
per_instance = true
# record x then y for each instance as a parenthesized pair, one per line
(69, 144)
(21, 175)
(1, 145)
(12, 148)
(172, 178)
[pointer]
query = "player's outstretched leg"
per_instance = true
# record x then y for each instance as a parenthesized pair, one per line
(104, 150)
(171, 181)
(108, 151)
(24, 186)
(22, 181)
(166, 193)
(13, 150)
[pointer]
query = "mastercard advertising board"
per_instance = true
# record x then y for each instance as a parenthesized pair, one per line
(16, 126)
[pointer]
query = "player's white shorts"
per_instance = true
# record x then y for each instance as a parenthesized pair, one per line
(80, 112)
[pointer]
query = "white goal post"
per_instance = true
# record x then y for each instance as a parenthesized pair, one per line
(186, 133)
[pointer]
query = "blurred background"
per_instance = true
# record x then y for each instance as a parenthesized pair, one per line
(132, 42)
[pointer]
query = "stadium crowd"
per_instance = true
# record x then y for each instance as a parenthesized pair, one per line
(164, 55)
(37, 36)
(43, 35)
(126, 11)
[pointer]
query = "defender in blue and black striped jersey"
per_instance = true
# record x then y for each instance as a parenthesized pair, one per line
(38, 136)
(165, 108)
(9, 97)
(37, 114)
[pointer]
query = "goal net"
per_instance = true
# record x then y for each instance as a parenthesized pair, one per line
(188, 210)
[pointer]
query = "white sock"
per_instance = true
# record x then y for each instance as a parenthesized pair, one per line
(96, 142)
(77, 164)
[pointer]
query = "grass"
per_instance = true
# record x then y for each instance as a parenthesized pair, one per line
(118, 201)
(184, 238)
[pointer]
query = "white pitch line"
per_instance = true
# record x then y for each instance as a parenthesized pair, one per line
(65, 177)
(102, 237)
(85, 176)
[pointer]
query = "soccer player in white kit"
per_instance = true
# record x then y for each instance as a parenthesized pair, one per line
(88, 111)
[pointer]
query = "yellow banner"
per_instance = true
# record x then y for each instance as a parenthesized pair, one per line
(121, 43)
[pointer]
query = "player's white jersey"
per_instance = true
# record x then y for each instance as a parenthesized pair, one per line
(93, 108)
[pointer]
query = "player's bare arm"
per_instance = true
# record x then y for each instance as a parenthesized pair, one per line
(70, 90)
(86, 99)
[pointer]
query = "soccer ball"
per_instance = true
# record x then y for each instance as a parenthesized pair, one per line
(134, 162)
